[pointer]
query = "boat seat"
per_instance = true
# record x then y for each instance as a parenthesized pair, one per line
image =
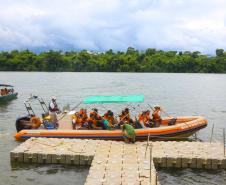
(48, 125)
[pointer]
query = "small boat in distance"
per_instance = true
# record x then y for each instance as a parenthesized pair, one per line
(7, 93)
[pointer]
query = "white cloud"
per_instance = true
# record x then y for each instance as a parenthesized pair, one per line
(116, 24)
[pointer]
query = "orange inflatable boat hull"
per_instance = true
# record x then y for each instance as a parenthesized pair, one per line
(184, 127)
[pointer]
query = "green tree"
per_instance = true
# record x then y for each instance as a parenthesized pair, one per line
(219, 52)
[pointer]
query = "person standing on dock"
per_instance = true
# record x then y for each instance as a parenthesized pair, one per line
(128, 133)
(53, 109)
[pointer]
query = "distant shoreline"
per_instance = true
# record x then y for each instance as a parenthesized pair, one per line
(107, 72)
(131, 61)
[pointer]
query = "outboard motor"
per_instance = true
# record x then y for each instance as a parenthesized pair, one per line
(26, 122)
(23, 123)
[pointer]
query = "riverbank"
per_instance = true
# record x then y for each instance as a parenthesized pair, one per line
(132, 60)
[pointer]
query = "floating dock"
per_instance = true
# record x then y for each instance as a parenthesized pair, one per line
(119, 163)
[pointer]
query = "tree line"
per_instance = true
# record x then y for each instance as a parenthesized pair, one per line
(132, 60)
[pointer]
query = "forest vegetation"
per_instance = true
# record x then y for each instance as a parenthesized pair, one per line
(132, 60)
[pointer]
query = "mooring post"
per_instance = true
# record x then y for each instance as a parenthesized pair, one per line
(150, 161)
(224, 140)
(156, 178)
(196, 136)
(211, 136)
(147, 145)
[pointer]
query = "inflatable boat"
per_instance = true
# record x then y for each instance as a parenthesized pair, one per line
(182, 128)
(170, 127)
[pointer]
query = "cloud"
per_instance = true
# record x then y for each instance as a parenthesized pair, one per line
(104, 24)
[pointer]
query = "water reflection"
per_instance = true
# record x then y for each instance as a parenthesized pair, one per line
(191, 176)
(42, 174)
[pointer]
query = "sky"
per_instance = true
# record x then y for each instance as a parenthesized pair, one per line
(100, 25)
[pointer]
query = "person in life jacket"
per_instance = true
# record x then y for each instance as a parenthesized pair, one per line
(92, 122)
(83, 115)
(97, 117)
(95, 121)
(125, 117)
(122, 117)
(81, 118)
(156, 116)
(141, 118)
(147, 119)
(75, 118)
(109, 116)
(2, 92)
(53, 110)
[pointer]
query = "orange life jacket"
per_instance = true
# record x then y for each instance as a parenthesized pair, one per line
(93, 121)
(141, 117)
(156, 116)
(125, 117)
(147, 118)
(110, 119)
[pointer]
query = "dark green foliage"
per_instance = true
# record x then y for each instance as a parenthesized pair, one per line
(219, 52)
(132, 60)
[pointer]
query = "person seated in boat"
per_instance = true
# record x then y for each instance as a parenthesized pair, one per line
(147, 119)
(83, 117)
(2, 92)
(156, 116)
(79, 119)
(125, 117)
(141, 118)
(95, 121)
(128, 133)
(6, 91)
(96, 115)
(109, 116)
(75, 121)
(122, 117)
(91, 121)
(10, 91)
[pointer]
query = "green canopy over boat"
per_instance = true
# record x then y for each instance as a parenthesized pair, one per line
(113, 99)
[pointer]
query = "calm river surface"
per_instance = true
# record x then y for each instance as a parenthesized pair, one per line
(179, 94)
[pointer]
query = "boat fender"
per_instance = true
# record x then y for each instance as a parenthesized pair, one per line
(35, 122)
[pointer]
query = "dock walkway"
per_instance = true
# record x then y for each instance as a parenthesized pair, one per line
(114, 163)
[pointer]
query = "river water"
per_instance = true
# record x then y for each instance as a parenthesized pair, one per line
(178, 94)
